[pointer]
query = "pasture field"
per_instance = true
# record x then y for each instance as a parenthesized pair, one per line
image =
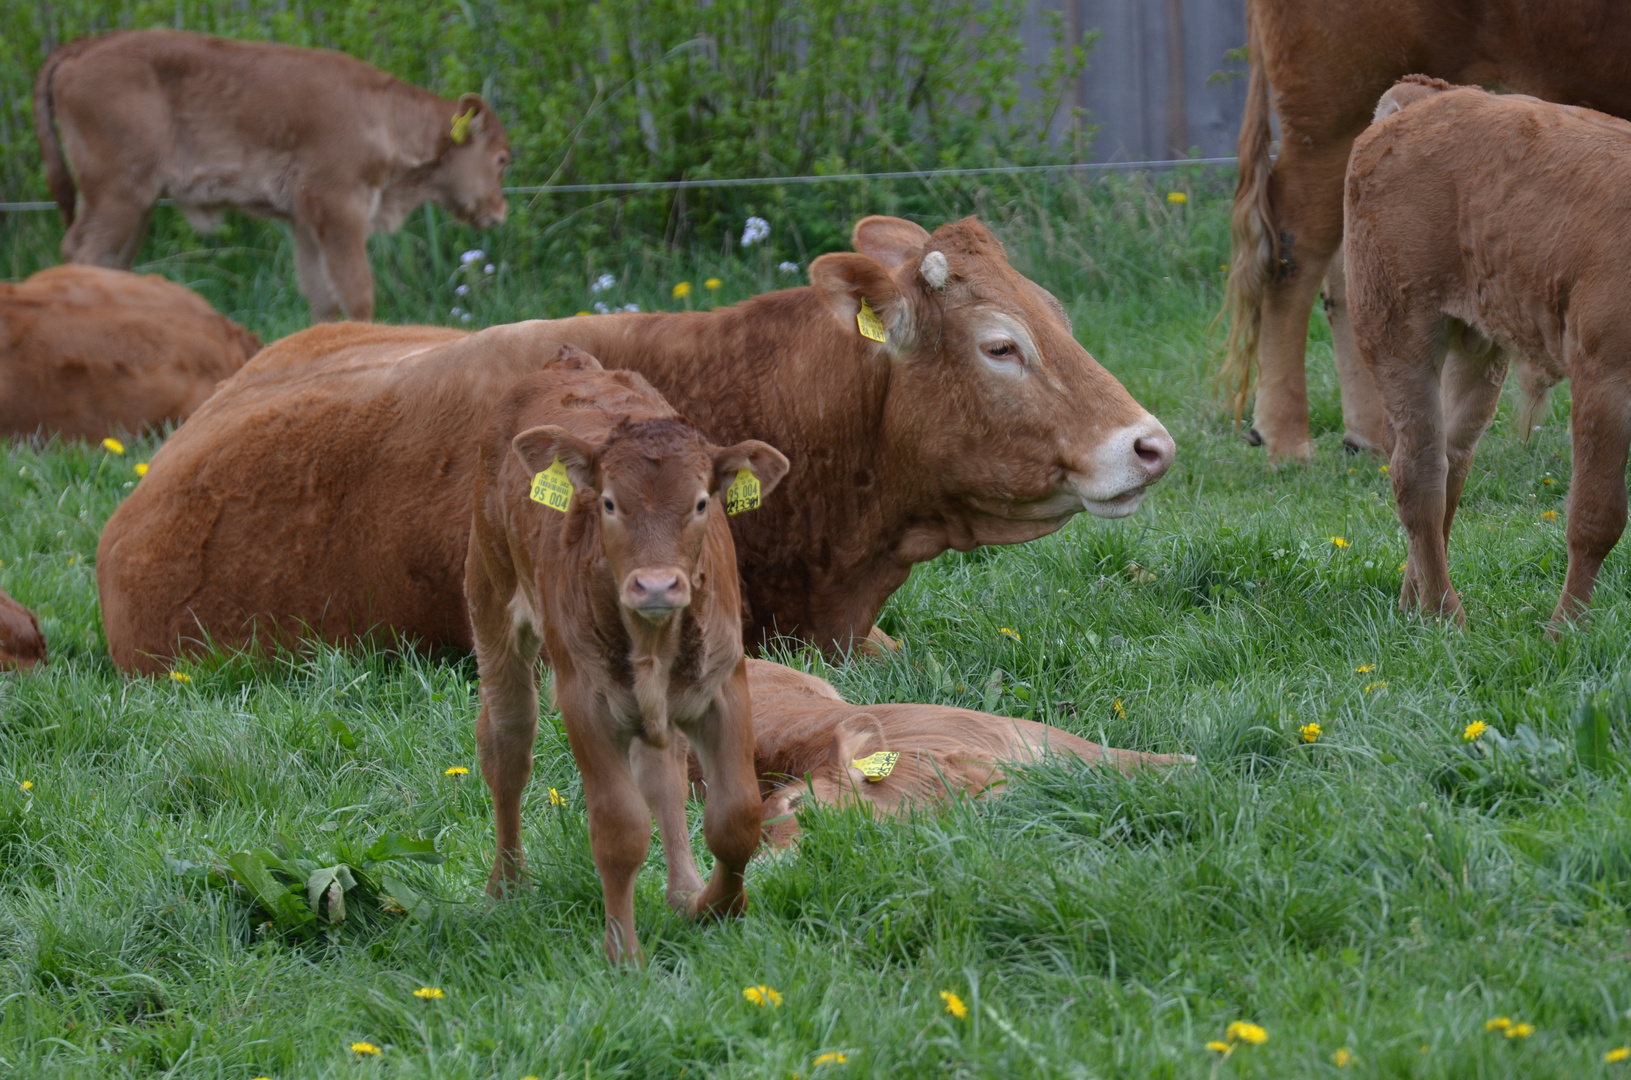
(1371, 899)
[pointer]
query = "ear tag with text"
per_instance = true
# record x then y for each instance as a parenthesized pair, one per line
(877, 766)
(553, 487)
(869, 324)
(461, 126)
(743, 494)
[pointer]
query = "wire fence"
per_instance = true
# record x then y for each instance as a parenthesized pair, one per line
(926, 176)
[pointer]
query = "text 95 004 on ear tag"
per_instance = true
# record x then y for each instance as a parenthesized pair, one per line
(877, 766)
(553, 487)
(743, 494)
(869, 324)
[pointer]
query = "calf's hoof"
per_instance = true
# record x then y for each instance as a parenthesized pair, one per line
(877, 643)
(1254, 437)
(726, 907)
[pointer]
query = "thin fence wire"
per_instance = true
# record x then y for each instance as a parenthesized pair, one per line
(771, 181)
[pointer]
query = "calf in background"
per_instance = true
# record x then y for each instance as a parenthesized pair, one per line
(21, 643)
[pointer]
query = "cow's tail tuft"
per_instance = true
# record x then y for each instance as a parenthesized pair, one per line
(1255, 253)
(45, 129)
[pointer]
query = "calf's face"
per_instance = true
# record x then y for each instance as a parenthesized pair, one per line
(654, 485)
(1001, 403)
(471, 174)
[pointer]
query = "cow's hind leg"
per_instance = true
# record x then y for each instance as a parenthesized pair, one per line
(505, 732)
(1364, 421)
(109, 230)
(1597, 498)
(661, 775)
(1474, 369)
(313, 277)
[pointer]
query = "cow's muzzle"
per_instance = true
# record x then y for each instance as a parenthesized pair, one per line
(1112, 481)
(655, 593)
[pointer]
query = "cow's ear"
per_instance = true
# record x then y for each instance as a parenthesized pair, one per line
(846, 282)
(572, 358)
(767, 464)
(471, 116)
(890, 240)
(540, 447)
(858, 736)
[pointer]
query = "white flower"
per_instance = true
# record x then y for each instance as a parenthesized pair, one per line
(631, 307)
(471, 256)
(457, 311)
(461, 290)
(602, 283)
(601, 308)
(488, 269)
(755, 230)
(465, 317)
(789, 268)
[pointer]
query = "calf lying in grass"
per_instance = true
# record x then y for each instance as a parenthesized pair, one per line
(599, 532)
(1483, 227)
(21, 643)
(812, 744)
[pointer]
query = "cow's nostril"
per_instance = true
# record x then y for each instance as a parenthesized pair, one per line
(1155, 452)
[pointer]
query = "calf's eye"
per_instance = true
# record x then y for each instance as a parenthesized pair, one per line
(1002, 350)
(702, 506)
(607, 503)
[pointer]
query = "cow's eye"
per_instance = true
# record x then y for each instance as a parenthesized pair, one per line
(610, 508)
(503, 161)
(1002, 350)
(702, 506)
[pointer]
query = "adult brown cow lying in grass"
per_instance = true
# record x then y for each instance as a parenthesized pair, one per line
(21, 643)
(1325, 63)
(86, 351)
(812, 744)
(327, 486)
(1484, 227)
(335, 147)
(599, 534)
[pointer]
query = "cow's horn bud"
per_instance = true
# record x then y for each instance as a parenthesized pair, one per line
(934, 269)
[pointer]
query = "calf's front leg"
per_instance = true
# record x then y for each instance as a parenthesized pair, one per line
(734, 811)
(661, 776)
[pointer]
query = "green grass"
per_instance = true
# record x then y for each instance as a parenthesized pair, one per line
(1360, 892)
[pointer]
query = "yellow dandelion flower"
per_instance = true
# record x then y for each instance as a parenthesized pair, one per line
(1383, 470)
(113, 446)
(1470, 733)
(1375, 686)
(762, 996)
(1402, 566)
(1009, 633)
(556, 798)
(1223, 267)
(1352, 471)
(1364, 669)
(1310, 732)
(1548, 515)
(831, 1057)
(1500, 1023)
(1119, 709)
(364, 1048)
(1248, 1033)
(1218, 1047)
(455, 771)
(140, 467)
(1177, 198)
(580, 313)
(429, 993)
(180, 676)
(1619, 1053)
(1520, 1031)
(26, 785)
(682, 290)
(712, 283)
(1342, 1058)
(1548, 481)
(1337, 541)
(954, 1004)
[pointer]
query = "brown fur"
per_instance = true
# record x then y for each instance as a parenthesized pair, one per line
(85, 352)
(316, 138)
(1481, 228)
(632, 592)
(21, 643)
(807, 737)
(328, 483)
(1327, 62)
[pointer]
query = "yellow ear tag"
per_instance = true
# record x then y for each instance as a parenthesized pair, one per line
(869, 324)
(877, 766)
(461, 126)
(553, 487)
(743, 494)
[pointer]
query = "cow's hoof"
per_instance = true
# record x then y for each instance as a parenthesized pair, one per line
(1254, 437)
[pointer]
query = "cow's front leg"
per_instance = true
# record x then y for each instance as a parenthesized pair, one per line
(1419, 470)
(340, 226)
(312, 277)
(734, 812)
(661, 776)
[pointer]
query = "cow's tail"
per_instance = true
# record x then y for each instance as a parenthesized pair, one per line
(45, 129)
(1256, 247)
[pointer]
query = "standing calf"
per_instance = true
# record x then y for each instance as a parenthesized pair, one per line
(1480, 228)
(599, 532)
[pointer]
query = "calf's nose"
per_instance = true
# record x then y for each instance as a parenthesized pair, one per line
(655, 593)
(1154, 451)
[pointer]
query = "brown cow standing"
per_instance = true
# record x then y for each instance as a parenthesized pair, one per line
(1482, 227)
(332, 145)
(1326, 62)
(808, 742)
(327, 485)
(86, 351)
(21, 643)
(626, 575)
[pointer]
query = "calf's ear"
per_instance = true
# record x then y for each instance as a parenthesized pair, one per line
(540, 447)
(843, 281)
(767, 464)
(473, 106)
(890, 240)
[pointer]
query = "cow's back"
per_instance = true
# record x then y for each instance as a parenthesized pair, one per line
(325, 487)
(85, 351)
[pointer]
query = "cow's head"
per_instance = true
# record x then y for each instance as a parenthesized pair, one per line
(990, 394)
(470, 175)
(655, 484)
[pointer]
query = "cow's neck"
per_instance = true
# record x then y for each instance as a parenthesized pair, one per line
(417, 125)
